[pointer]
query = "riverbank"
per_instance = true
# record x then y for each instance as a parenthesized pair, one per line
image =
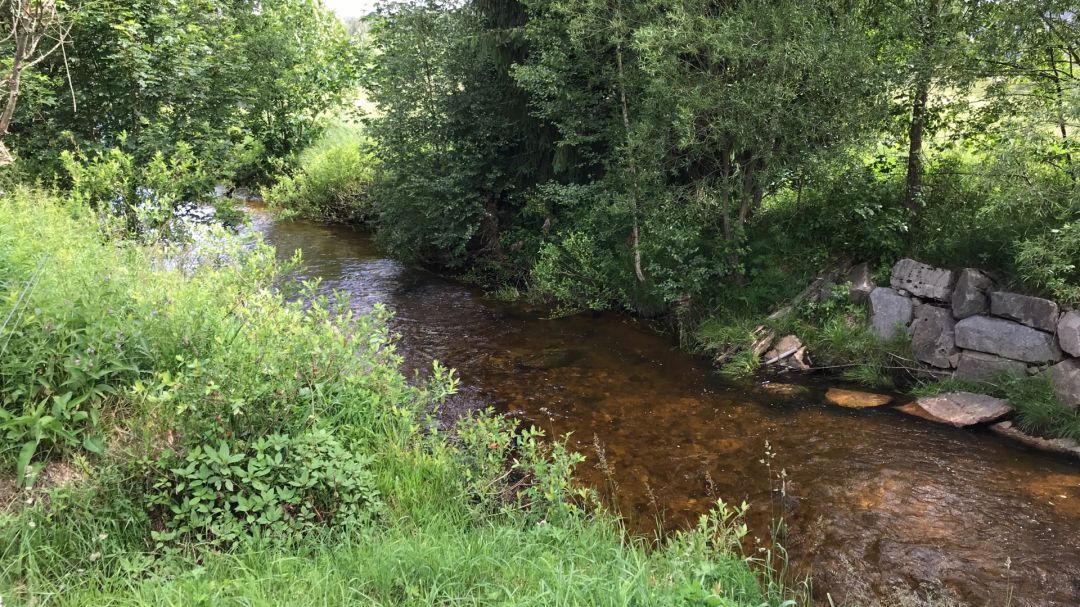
(221, 444)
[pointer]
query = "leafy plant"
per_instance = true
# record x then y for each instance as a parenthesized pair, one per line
(275, 487)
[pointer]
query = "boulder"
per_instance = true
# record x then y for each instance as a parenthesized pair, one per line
(980, 367)
(1052, 445)
(969, 295)
(1068, 332)
(922, 280)
(862, 283)
(889, 311)
(1065, 377)
(854, 399)
(783, 348)
(960, 408)
(932, 337)
(1034, 312)
(1006, 338)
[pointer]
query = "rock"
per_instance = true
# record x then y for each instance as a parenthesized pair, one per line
(1006, 338)
(551, 359)
(969, 296)
(1065, 377)
(1032, 311)
(862, 283)
(787, 346)
(854, 399)
(922, 280)
(1068, 332)
(888, 311)
(963, 408)
(932, 336)
(1053, 445)
(798, 361)
(980, 367)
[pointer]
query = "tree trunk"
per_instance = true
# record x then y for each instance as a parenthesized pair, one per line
(1059, 102)
(635, 232)
(919, 110)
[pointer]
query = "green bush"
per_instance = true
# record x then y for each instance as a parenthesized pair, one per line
(274, 487)
(331, 183)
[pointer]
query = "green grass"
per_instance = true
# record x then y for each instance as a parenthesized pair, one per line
(119, 361)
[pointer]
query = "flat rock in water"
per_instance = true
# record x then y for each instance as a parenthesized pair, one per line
(784, 390)
(1053, 445)
(959, 408)
(853, 399)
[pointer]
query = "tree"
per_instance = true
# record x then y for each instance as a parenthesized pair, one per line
(29, 23)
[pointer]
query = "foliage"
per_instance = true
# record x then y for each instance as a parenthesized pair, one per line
(1038, 409)
(274, 487)
(238, 82)
(332, 181)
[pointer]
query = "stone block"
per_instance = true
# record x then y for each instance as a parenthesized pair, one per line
(1034, 312)
(1007, 338)
(970, 294)
(889, 312)
(862, 283)
(1068, 332)
(922, 280)
(1065, 377)
(980, 367)
(932, 336)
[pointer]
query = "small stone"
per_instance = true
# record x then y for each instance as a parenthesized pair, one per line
(853, 399)
(862, 283)
(798, 361)
(1006, 338)
(969, 296)
(1034, 312)
(963, 408)
(1068, 332)
(1065, 377)
(922, 280)
(932, 336)
(786, 347)
(986, 368)
(889, 312)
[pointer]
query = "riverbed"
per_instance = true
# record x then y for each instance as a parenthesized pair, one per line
(875, 502)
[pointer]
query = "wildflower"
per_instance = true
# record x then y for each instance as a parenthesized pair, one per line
(32, 525)
(94, 556)
(90, 350)
(103, 537)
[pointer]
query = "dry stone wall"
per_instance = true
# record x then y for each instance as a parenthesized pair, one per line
(960, 322)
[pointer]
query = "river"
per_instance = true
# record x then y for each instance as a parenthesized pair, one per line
(875, 501)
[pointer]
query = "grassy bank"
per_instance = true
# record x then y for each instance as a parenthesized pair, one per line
(179, 430)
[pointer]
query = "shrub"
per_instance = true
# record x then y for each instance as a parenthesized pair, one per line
(332, 182)
(273, 487)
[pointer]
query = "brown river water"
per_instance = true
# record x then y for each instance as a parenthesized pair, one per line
(875, 501)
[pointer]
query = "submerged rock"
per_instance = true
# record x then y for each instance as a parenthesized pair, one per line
(959, 408)
(551, 359)
(1007, 338)
(922, 280)
(1034, 312)
(1053, 445)
(854, 399)
(890, 312)
(969, 296)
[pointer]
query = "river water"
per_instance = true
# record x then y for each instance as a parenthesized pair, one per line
(875, 502)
